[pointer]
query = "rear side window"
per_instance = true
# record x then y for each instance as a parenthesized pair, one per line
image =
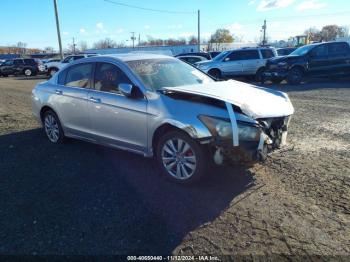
(79, 75)
(18, 62)
(29, 62)
(266, 53)
(320, 51)
(108, 77)
(78, 57)
(62, 77)
(244, 55)
(250, 54)
(338, 49)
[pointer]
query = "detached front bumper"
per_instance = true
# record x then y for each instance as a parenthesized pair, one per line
(272, 137)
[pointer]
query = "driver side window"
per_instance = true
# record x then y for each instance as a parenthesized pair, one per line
(108, 77)
(320, 51)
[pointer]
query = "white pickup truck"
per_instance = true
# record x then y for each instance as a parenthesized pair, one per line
(53, 67)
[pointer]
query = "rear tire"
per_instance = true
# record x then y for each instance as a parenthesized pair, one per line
(180, 158)
(295, 75)
(216, 73)
(52, 127)
(28, 72)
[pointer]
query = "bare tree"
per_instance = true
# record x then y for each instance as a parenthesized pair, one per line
(105, 43)
(49, 49)
(21, 47)
(192, 40)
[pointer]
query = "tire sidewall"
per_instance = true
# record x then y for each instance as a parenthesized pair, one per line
(61, 134)
(216, 73)
(291, 80)
(259, 74)
(196, 147)
(31, 72)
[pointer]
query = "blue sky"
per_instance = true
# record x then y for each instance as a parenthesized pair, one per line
(33, 21)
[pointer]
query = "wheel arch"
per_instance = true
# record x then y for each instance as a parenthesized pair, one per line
(300, 67)
(44, 109)
(167, 127)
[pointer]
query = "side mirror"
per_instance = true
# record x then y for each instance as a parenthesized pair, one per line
(226, 59)
(127, 90)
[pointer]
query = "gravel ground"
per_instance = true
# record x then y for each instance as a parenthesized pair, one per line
(79, 198)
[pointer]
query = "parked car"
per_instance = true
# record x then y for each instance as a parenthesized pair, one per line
(214, 54)
(203, 54)
(159, 106)
(52, 60)
(331, 59)
(285, 51)
(239, 62)
(54, 66)
(19, 66)
(192, 59)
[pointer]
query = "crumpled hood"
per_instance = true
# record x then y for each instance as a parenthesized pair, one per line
(256, 102)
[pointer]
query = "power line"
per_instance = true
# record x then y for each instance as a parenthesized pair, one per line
(149, 9)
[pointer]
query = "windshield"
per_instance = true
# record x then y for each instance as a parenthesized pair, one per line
(165, 72)
(302, 50)
(220, 56)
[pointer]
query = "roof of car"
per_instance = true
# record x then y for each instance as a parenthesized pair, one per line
(135, 56)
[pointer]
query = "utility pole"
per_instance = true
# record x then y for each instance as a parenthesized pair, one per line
(139, 40)
(264, 33)
(199, 31)
(58, 29)
(74, 46)
(133, 38)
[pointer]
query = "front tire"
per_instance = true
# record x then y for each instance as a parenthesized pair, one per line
(216, 73)
(180, 158)
(259, 76)
(295, 75)
(52, 127)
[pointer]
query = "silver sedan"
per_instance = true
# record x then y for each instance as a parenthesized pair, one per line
(159, 106)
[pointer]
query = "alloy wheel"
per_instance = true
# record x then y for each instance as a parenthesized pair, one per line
(51, 128)
(28, 72)
(179, 158)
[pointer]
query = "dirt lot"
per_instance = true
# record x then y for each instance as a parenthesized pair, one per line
(79, 198)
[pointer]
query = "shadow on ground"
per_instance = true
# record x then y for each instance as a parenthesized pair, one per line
(79, 198)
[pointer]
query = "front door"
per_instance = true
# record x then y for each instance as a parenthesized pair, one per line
(117, 120)
(232, 65)
(8, 67)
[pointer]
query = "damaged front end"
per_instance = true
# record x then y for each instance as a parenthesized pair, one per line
(254, 141)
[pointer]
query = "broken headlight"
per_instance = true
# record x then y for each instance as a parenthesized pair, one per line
(217, 127)
(248, 132)
(222, 128)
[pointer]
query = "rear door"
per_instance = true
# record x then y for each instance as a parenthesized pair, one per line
(318, 62)
(339, 58)
(251, 61)
(71, 99)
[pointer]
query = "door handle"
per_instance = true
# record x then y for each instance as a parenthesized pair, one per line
(95, 100)
(58, 92)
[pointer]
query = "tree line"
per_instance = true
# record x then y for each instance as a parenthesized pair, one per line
(327, 33)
